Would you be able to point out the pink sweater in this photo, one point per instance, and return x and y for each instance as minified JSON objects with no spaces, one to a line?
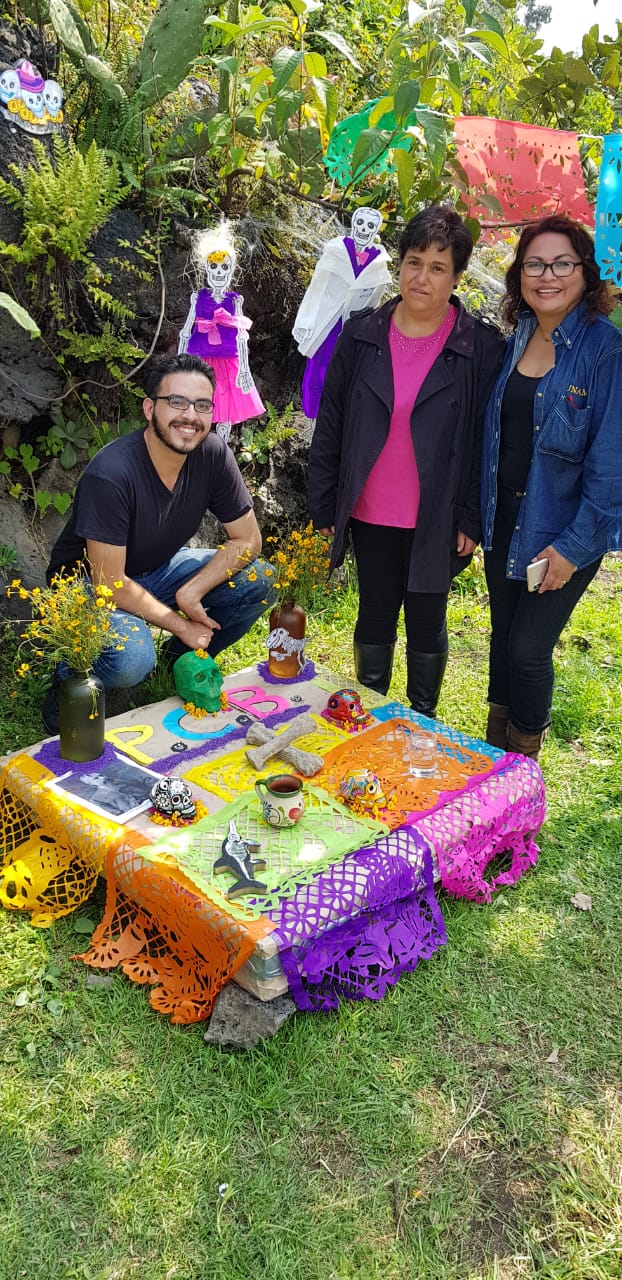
{"x":390,"y":495}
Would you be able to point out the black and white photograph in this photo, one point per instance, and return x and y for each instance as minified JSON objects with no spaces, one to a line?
{"x":119,"y":790}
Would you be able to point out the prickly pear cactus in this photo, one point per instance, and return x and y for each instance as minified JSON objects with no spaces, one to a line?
{"x":171,"y":44}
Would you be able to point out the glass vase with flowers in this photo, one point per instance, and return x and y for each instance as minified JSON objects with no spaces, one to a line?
{"x":301,"y":565}
{"x":70,"y":626}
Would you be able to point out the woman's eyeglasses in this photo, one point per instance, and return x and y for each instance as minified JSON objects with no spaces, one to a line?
{"x":182,"y":402}
{"x":560,"y":268}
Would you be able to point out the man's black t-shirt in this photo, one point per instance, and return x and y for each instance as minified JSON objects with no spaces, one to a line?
{"x":121,"y":500}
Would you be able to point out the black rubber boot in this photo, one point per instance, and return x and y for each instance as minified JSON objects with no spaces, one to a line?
{"x":373,"y":664}
{"x":424,"y":679}
{"x":497,"y":726}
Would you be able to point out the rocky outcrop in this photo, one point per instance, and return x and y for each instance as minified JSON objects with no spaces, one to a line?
{"x":30,"y":379}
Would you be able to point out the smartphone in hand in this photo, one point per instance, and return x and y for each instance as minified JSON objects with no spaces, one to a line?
{"x":536,"y":573}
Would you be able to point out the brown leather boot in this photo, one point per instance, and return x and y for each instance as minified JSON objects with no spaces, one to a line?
{"x":497,"y":727}
{"x":526,"y":744}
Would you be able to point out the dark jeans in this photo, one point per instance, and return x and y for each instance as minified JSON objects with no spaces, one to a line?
{"x":382,"y":557}
{"x":525,"y":628}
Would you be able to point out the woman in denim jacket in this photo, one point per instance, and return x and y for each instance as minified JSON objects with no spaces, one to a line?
{"x":551,"y":468}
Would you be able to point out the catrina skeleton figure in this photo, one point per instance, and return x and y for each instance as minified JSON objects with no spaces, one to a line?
{"x":217,"y":330}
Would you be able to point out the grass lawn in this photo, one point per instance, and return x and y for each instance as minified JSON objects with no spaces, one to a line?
{"x":466,"y":1127}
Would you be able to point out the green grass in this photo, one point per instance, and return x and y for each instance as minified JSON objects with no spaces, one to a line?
{"x":466,"y":1127}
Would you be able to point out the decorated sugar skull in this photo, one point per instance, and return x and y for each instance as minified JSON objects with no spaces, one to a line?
{"x":29,"y":101}
{"x":52,"y":97}
{"x":31,"y":87}
{"x":9,"y":85}
{"x":365,"y":225}
{"x":362,"y":787}
{"x":346,"y":708}
{"x":198,"y":679}
{"x":33,"y":101}
{"x":173,"y":795}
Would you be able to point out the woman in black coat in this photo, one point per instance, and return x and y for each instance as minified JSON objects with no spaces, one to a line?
{"x":395,"y":457}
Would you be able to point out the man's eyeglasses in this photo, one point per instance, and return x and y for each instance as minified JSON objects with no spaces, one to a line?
{"x":183,"y":403}
{"x":560,"y":268}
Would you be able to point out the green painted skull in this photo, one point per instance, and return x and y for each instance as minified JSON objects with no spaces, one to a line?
{"x":198,"y":680}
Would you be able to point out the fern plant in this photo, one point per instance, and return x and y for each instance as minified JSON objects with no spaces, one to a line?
{"x":256,"y":444}
{"x":63,"y":201}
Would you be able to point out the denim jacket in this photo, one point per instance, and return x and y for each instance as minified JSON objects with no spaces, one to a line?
{"x":573,"y":499}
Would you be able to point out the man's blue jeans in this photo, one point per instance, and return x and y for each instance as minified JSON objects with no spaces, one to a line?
{"x":235,"y":604}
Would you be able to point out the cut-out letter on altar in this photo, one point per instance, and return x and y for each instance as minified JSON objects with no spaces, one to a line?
{"x":172,"y":722}
{"x":251,"y":697}
{"x":139,"y":732}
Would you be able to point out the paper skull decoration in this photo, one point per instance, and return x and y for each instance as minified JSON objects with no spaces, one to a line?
{"x":219,"y":268}
{"x":29,"y":101}
{"x":173,"y":795}
{"x":362,"y":787}
{"x":366,"y":223}
{"x":198,"y":680}
{"x":346,"y":709}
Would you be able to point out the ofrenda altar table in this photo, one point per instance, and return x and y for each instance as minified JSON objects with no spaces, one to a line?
{"x":351,"y":902}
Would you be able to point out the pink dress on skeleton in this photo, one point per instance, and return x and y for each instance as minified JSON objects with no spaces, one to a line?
{"x":214,"y":339}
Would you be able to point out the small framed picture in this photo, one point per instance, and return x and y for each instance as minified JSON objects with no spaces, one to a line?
{"x":119,"y":790}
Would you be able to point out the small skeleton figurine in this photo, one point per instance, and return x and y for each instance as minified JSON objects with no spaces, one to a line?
{"x":237,"y":858}
{"x":351,"y":274}
{"x":217,"y":330}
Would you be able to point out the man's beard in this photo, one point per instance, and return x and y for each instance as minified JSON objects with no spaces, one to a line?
{"x":160,"y":432}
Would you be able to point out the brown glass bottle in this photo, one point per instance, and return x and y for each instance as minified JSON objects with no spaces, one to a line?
{"x":286,"y":657}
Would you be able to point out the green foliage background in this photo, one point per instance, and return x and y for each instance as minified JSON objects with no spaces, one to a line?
{"x":192,"y":109}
